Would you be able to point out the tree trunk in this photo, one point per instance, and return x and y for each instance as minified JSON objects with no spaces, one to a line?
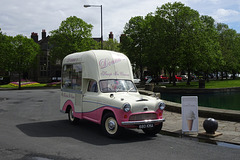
{"x":233,"y":74}
{"x":170,"y":77}
{"x":19,"y":80}
{"x":189,"y":78}
{"x":174,"y":79}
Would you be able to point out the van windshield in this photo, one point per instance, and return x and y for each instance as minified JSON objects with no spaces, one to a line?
{"x":117,"y":86}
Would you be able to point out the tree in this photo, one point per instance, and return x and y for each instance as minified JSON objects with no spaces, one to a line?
{"x":133,"y":42}
{"x":190,"y":40}
{"x":73,"y":35}
{"x":179,"y":27}
{"x":236,"y":54}
{"x":154,"y":48}
{"x":4,"y":45}
{"x":227,"y":40}
{"x":210,"y":54}
{"x":176,"y":38}
{"x":21,"y":54}
{"x":111,"y":44}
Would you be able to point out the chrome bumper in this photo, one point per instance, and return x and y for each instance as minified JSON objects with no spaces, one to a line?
{"x":126,"y":123}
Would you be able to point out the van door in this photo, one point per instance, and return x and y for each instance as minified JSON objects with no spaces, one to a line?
{"x":77,"y":86}
{"x":90,"y":102}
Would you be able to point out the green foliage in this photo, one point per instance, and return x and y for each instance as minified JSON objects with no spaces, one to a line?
{"x":23,"y":51}
{"x":17,"y":53}
{"x":209,"y":47}
{"x":133,"y":44}
{"x":210,"y":85}
{"x":4,"y":51}
{"x":73,"y":35}
{"x":176,"y":38}
{"x":229,"y":42}
{"x":111,"y":44}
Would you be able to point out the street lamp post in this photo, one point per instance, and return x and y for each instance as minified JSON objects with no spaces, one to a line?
{"x":86,"y":6}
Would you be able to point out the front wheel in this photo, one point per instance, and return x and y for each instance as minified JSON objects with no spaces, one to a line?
{"x":110,"y":126}
{"x":71,"y":118}
{"x":153,"y":131}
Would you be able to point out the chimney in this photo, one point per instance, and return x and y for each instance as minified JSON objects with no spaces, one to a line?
{"x":122,"y":37}
{"x":44,"y":35}
{"x":111,"y":35}
{"x":34,"y":36}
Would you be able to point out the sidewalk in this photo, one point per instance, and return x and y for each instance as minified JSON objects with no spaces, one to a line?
{"x":228,"y":125}
{"x":230,"y":130}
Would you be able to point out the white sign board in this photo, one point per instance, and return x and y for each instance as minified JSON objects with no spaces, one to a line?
{"x":189,"y":114}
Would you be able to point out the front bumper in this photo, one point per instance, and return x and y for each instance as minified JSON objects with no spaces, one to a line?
{"x":131,"y":123}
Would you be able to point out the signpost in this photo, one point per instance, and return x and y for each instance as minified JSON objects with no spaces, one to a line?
{"x":189,"y":113}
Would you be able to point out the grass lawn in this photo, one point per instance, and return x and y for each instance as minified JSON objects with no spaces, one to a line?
{"x":182,"y":85}
{"x":209,"y":85}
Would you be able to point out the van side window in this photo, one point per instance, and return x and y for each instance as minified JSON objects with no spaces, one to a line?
{"x":92,"y":86}
{"x":72,"y":77}
{"x":77,"y":76}
{"x":67,"y":77}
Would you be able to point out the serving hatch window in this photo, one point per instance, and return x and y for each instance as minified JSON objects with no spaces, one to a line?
{"x":72,"y":76}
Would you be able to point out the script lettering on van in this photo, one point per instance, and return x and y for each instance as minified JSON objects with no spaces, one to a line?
{"x":109,"y":74}
{"x":104,"y":63}
{"x":67,"y":95}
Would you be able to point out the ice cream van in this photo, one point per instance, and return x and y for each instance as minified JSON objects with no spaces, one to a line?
{"x":97,"y":85}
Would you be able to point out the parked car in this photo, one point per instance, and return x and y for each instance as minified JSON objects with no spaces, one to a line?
{"x":178,"y":78}
{"x":184,"y":77}
{"x":148,"y":79}
{"x":136,"y":80}
{"x":163,"y":78}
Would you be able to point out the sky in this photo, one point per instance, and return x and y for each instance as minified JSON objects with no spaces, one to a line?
{"x":27,"y":16}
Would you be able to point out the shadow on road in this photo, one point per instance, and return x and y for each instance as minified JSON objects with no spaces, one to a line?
{"x":84,"y":131}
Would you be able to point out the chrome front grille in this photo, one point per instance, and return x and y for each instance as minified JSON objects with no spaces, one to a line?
{"x":144,"y":116}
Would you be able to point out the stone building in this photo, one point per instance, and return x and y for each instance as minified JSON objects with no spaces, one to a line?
{"x":44,"y":71}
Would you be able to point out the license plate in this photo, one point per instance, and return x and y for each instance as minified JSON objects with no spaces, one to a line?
{"x":142,"y":126}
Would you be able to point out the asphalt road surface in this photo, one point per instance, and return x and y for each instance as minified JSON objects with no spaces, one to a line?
{"x":32,"y":128}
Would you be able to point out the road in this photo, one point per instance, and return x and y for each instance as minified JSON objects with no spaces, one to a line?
{"x":32,"y":128}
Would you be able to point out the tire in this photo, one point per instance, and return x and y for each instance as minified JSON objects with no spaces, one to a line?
{"x":110,"y":126}
{"x":71,"y":118}
{"x":153,"y":131}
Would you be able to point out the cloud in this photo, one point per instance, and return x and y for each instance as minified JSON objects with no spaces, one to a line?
{"x":226,"y":15}
{"x":26,"y":16}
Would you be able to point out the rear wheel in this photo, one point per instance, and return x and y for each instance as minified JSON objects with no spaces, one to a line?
{"x":71,"y":118}
{"x":110,"y":126}
{"x":153,"y":131}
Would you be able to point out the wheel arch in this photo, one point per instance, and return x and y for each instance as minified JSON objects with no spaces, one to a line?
{"x":67,"y":105}
{"x":105,"y":111}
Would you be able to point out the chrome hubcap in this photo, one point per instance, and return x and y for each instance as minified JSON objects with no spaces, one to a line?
{"x":111,"y":125}
{"x":71,"y":115}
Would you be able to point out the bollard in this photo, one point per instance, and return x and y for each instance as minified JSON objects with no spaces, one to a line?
{"x":210,"y":125}
{"x":201,"y":83}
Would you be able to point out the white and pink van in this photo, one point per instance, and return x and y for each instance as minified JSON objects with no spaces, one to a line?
{"x":98,"y":86}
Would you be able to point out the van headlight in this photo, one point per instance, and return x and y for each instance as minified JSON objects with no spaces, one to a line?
{"x":161,"y":105}
{"x":126,"y":107}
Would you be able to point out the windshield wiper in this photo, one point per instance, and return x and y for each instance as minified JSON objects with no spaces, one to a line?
{"x":130,"y":89}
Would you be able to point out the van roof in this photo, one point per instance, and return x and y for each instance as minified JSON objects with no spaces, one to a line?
{"x":102,"y":64}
